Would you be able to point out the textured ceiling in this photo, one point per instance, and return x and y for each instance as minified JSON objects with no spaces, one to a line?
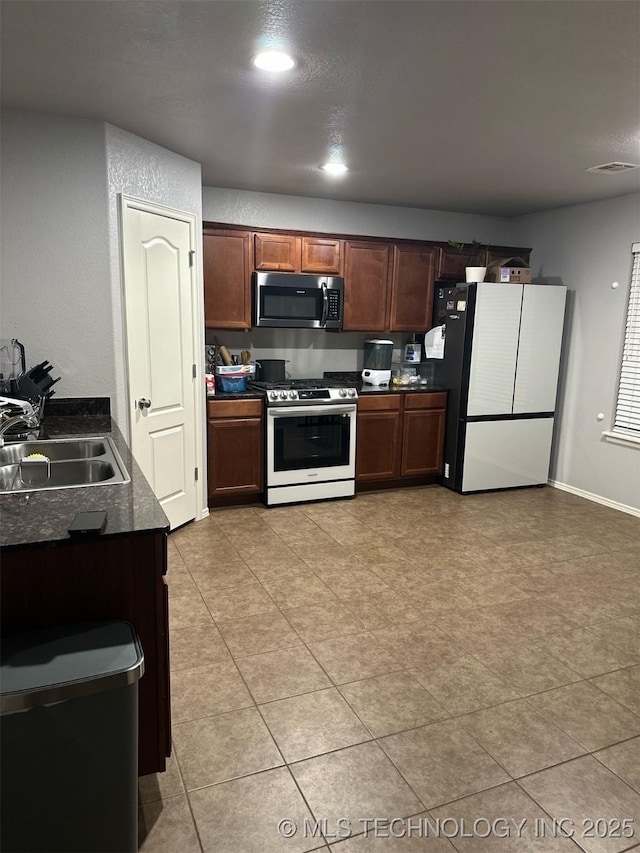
{"x":491,"y":106}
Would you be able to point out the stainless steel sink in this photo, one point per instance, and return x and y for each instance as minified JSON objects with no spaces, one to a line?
{"x":74,"y":462}
{"x":85,"y":448}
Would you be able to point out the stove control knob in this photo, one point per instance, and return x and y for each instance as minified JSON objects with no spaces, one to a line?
{"x":352,"y":392}
{"x":342,"y":392}
{"x":283,"y":395}
{"x":273,"y":395}
{"x":293,"y":395}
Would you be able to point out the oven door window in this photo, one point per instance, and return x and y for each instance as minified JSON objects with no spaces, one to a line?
{"x":289,"y":303}
{"x":311,"y":441}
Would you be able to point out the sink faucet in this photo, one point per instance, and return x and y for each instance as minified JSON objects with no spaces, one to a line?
{"x":30,"y":415}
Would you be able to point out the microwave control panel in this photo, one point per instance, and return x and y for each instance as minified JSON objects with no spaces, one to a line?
{"x":333,"y":309}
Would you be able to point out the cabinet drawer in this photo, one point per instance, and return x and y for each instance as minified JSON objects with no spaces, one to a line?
{"x":379,"y":402}
{"x":436,"y":400}
{"x":234,"y":408}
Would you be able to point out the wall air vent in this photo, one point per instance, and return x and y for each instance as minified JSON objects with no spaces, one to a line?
{"x":613,"y":167}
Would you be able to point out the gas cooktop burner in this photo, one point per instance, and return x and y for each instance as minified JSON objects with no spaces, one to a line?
{"x":305,"y":391}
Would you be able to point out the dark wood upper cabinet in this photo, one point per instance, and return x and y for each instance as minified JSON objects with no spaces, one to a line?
{"x":413,"y":273}
{"x":388,"y":284}
{"x":227,"y":265}
{"x":453,"y":262}
{"x":497,"y":253}
{"x":294,"y":253}
{"x":321,"y":255}
{"x":277,"y":252}
{"x":366,"y":281}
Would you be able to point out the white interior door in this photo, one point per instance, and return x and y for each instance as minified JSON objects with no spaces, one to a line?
{"x":539,"y":348}
{"x":494,"y":349}
{"x":160,"y":305}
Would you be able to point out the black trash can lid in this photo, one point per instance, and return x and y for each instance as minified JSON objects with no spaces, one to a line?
{"x":57,"y":664}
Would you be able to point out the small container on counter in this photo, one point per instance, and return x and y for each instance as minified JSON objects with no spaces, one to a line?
{"x":230,"y":384}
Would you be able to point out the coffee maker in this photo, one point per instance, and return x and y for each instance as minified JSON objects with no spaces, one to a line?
{"x":377,"y":362}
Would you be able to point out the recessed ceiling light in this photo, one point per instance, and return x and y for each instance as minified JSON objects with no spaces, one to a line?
{"x":273,"y":60}
{"x":334,"y":168}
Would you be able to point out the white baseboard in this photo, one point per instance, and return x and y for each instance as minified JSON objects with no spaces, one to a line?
{"x":205,"y":513}
{"x":631,"y":510}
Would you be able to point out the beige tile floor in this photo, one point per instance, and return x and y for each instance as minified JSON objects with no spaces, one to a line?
{"x":410,"y":654}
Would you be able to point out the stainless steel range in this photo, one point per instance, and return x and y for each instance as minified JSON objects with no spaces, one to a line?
{"x":311,"y":440}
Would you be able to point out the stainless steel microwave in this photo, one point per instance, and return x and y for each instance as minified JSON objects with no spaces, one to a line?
{"x":290,"y":301}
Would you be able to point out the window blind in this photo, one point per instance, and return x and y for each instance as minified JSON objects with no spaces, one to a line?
{"x":627,"y":419}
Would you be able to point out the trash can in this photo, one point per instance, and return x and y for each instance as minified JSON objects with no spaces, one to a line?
{"x":69,"y":738}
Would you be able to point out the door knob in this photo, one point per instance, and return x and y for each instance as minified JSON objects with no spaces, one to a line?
{"x":144,"y":403}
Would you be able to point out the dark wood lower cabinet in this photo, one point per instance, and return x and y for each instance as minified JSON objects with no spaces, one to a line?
{"x":378,"y":438}
{"x":422,"y":442}
{"x":121,"y":578}
{"x":400,"y":438}
{"x":235,"y":449}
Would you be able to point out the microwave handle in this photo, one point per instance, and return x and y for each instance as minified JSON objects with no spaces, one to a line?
{"x":325,"y":305}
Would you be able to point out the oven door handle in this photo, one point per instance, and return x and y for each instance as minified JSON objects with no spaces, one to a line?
{"x":300,"y":411}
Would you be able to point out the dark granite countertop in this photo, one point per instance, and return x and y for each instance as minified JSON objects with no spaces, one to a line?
{"x":348,"y":380}
{"x":363,"y":390}
{"x":29,"y":518}
{"x":236,"y":395}
{"x":353,"y":379}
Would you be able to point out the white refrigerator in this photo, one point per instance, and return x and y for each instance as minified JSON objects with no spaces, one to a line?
{"x":501,"y":359}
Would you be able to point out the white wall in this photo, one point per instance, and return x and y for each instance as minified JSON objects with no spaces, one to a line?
{"x":310,"y":352}
{"x":56,"y":293}
{"x":139,"y":168}
{"x":587,"y":247}
{"x":61,"y":273}
{"x":269,"y":210}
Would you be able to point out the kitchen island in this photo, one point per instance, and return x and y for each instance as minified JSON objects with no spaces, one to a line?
{"x":50,"y":579}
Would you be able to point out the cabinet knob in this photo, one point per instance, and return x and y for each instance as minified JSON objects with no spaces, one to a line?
{"x":144,"y":403}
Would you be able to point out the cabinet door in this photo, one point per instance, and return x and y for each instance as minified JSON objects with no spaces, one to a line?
{"x":235,"y":456}
{"x":227,"y":279}
{"x":366,"y":278}
{"x":422,"y":442}
{"x":453,"y":263}
{"x":377,"y":445}
{"x":321,"y":255}
{"x":279,"y":252}
{"x":414,"y":269}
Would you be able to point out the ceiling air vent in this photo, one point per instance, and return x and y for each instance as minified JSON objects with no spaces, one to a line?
{"x":613,"y":167}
